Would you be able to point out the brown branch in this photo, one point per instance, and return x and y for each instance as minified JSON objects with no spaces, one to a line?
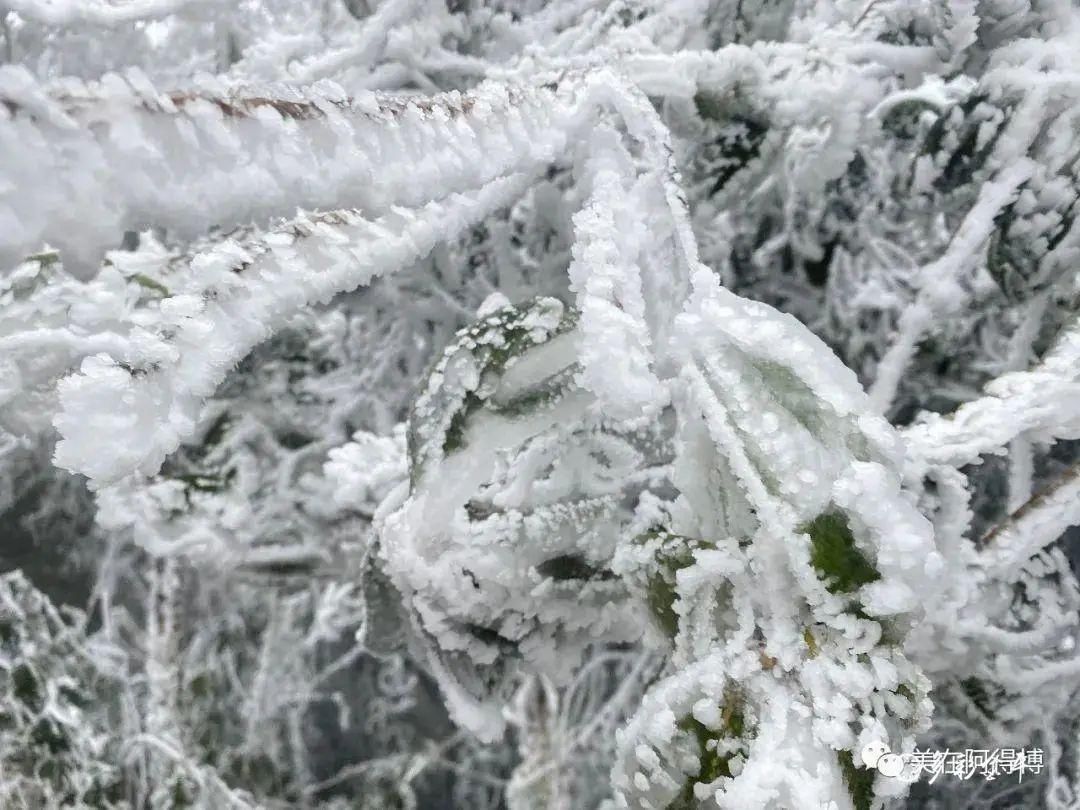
{"x":1031,"y":505}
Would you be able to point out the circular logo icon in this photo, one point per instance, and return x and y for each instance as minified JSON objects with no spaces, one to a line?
{"x":872,"y":754}
{"x":877,"y":756}
{"x":891,"y":765}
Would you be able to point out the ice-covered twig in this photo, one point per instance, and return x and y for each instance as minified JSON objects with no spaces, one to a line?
{"x":1021,"y":454}
{"x":103,"y":13}
{"x":1040,"y":403}
{"x":365,"y":48}
{"x":939,"y":292}
{"x":217,"y":157}
{"x":1035,"y":525}
{"x":227,"y":300}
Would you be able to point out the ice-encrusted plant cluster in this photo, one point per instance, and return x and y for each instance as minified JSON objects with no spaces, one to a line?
{"x":540,"y":405}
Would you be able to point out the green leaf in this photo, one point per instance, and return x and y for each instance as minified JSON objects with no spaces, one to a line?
{"x":570,"y":567}
{"x":859,"y":781}
{"x":713,"y":765}
{"x":150,"y":284}
{"x":835,"y":556}
{"x":444,"y":411}
{"x":676,"y":553}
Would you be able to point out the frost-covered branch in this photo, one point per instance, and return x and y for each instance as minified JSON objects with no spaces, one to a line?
{"x":212,"y":157}
{"x":938,"y":291}
{"x":366,"y":48}
{"x":1040,"y":403}
{"x":105,"y":13}
{"x":1033,"y":527}
{"x":223,"y":303}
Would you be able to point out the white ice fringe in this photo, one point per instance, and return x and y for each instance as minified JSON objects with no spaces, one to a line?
{"x":1040,"y":404}
{"x":213,"y":156}
{"x":229,"y":299}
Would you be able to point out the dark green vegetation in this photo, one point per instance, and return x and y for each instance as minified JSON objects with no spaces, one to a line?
{"x":713,"y":765}
{"x":834,"y":554}
{"x":675,"y":553}
{"x":494,"y":342}
{"x":859,"y":781}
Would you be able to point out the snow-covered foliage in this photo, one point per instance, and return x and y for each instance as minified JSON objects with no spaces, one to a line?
{"x":541,"y":405}
{"x":52,"y":752}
